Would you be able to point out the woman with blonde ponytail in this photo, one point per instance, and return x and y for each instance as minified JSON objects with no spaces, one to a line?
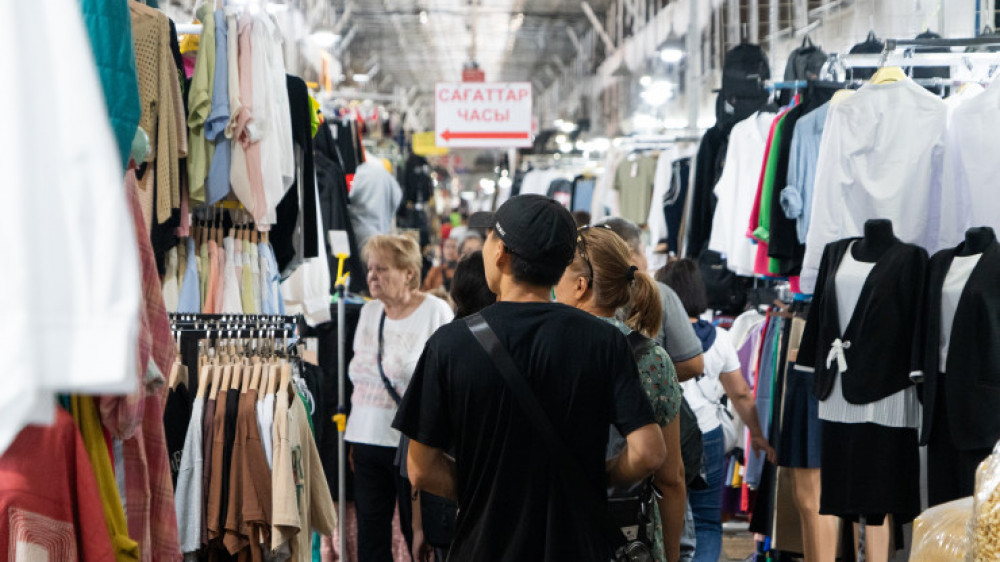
{"x":600,"y":280}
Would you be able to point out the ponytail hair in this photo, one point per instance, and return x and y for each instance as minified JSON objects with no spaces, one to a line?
{"x":616,"y":282}
{"x":645,"y":313}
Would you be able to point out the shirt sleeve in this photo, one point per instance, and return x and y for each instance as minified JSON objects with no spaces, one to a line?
{"x":677,"y":336}
{"x":630,"y":406}
{"x":727,"y":351}
{"x":423,"y":414}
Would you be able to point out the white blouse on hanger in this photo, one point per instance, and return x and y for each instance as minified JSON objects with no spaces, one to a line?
{"x":736,"y":191}
{"x":881,"y":156}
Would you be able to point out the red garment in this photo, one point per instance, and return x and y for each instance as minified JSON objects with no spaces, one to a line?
{"x":761,"y":261}
{"x":163,"y":517}
{"x":49,"y":502}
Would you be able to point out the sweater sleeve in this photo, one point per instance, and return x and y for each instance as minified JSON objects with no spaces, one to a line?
{"x":920,"y":302}
{"x":808,"y":347}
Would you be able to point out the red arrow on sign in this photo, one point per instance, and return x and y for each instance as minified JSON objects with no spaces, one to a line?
{"x":448,"y":135}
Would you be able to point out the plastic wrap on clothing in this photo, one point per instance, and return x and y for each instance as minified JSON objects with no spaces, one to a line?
{"x":941,"y":532}
{"x":985,"y":525}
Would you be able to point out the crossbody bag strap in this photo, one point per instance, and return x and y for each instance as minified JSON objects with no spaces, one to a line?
{"x":533,"y":411}
{"x":385,"y":380}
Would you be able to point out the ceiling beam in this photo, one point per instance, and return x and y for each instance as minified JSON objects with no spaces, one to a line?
{"x":589,"y":12}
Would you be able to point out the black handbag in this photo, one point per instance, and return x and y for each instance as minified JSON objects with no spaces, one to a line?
{"x":626,"y":549}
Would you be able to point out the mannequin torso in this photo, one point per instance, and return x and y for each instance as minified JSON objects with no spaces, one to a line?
{"x":877,"y":240}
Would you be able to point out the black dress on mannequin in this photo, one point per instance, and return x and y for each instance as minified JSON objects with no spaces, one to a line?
{"x":868,"y":405}
{"x":961,"y":391}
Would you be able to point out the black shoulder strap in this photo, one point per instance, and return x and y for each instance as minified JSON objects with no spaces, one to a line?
{"x":385,"y":380}
{"x":533,"y":411}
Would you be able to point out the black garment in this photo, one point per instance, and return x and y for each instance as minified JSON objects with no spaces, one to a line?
{"x":870,"y":46}
{"x":801,"y":432}
{"x":417,"y":184}
{"x":327,"y":437}
{"x":885,"y":329}
{"x":299,"y":203}
{"x":514,"y":505}
{"x":971,"y":389}
{"x":176,"y":417}
{"x":707,"y":171}
{"x":313,"y":375}
{"x":561,"y":190}
{"x":784,"y":242}
{"x":674,"y":202}
{"x":869,"y":470}
{"x":229,"y":433}
{"x":951,"y":472}
{"x":378,"y":489}
{"x":333,"y":201}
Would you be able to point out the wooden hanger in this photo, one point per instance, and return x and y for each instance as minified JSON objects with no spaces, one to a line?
{"x":234,"y":381}
{"x":272,"y":378}
{"x":227,"y":376}
{"x":204,"y":381}
{"x":247,"y":374}
{"x":255,"y":378}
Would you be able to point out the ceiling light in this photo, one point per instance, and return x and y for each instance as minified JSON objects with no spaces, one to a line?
{"x":324,"y":38}
{"x":657,"y":93}
{"x":644,"y":122}
{"x":561,"y":139}
{"x":505,"y":183}
{"x":645,"y":81}
{"x":566,"y":147}
{"x":672,"y":55}
{"x":361,"y":78}
{"x":423,"y":17}
{"x":567,"y":127}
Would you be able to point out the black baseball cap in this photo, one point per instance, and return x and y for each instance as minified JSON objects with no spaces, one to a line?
{"x":535,"y":227}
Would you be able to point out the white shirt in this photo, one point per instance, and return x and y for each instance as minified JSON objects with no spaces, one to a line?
{"x":71,"y":276}
{"x":271,"y":112}
{"x":900,"y":409}
{"x":736,"y":191}
{"x":972,"y":169}
{"x":372,"y":408}
{"x":951,"y":293}
{"x":657,"y":220}
{"x":881,"y":157}
{"x":705,"y":392}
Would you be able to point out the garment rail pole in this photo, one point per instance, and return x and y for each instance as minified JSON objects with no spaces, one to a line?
{"x":341,"y":419}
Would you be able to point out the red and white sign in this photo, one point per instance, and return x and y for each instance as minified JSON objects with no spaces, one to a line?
{"x":473,"y":75}
{"x":483,"y":115}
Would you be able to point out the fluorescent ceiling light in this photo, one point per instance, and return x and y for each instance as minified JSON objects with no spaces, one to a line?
{"x":567,"y":126}
{"x":672,"y":55}
{"x":324,"y":38}
{"x":361,"y":78}
{"x":657,"y":93}
{"x":645,"y":81}
{"x":561,"y":139}
{"x":423,"y":17}
{"x":566,"y":147}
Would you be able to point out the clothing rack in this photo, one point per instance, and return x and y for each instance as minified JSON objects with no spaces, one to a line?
{"x":854,"y":84}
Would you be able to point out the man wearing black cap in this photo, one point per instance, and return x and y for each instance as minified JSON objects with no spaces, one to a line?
{"x":514,"y":503}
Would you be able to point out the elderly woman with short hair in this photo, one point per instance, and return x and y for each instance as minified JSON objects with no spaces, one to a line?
{"x":390,"y":337}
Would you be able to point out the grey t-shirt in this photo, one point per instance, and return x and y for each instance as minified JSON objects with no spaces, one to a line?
{"x":676,"y":335}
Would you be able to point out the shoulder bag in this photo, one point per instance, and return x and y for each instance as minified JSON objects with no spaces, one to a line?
{"x":625,"y":550}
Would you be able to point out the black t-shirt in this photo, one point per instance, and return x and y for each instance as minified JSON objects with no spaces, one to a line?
{"x":514,"y":505}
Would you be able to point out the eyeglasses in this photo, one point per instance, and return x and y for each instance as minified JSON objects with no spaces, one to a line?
{"x":581,"y":243}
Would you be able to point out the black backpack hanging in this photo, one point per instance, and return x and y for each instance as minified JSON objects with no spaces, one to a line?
{"x":804,"y":63}
{"x":743,"y":92}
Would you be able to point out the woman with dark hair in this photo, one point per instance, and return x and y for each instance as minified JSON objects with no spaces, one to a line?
{"x":469,"y":290}
{"x":721,"y":376}
{"x":601,"y":280}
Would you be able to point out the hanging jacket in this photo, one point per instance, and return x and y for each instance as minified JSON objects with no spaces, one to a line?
{"x":109,"y":26}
